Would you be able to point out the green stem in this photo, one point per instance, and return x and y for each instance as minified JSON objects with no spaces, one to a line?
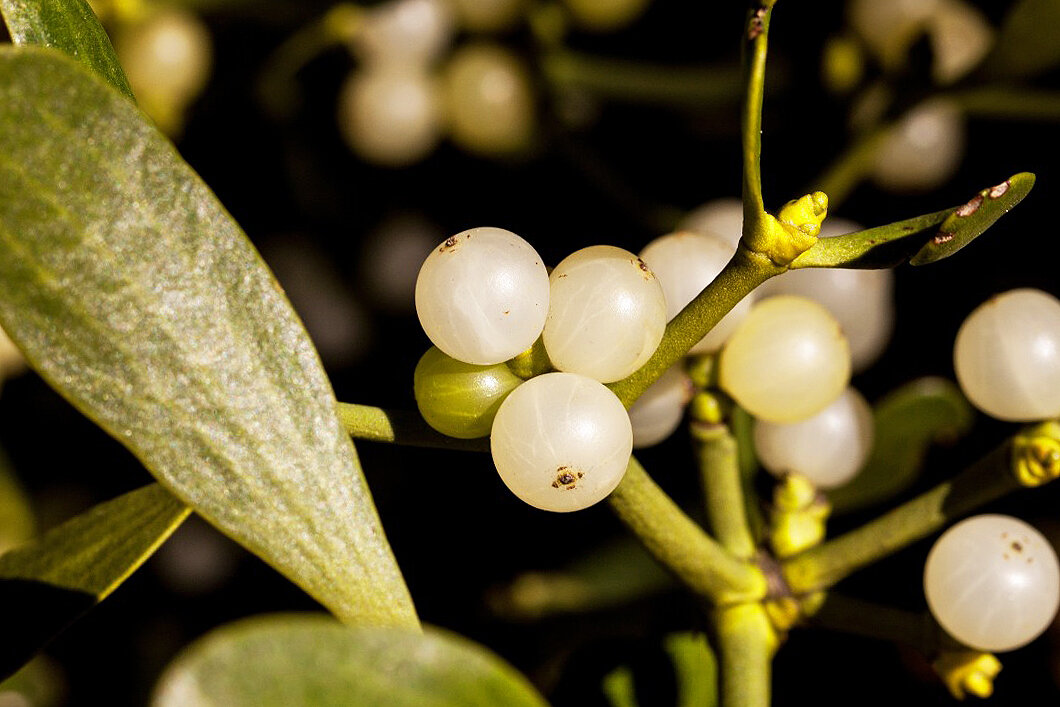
{"x":719,"y":472}
{"x":639,"y":82}
{"x":746,"y":271}
{"x":821,"y":567}
{"x":746,"y":642}
{"x":678,"y":543}
{"x":864,"y":618}
{"x":754,"y":59}
{"x":400,"y":427}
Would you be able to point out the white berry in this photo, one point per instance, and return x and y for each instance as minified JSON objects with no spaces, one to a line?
{"x":561,"y":441}
{"x":720,"y":218}
{"x":787,"y":361}
{"x":390,"y":115}
{"x":828,"y":449}
{"x":658,"y":412}
{"x":1007,"y":356}
{"x":923,"y":149}
{"x":607,"y":313}
{"x":862,"y":301}
{"x":482,"y":296}
{"x":993,"y":582}
{"x":405,"y":31}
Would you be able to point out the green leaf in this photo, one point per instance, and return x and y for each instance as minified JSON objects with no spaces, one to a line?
{"x":1026,"y":44}
{"x":695,"y":668}
{"x":69,"y":26}
{"x":17,"y":521}
{"x":909,"y":420}
{"x":972,"y":218}
{"x":46,"y":585}
{"x":133,"y":292}
{"x":922,"y":239}
{"x":311,"y":661}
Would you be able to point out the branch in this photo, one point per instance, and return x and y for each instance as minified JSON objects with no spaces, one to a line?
{"x":400,"y":427}
{"x":1031,"y":458}
{"x":677,"y":542}
{"x":746,"y":642}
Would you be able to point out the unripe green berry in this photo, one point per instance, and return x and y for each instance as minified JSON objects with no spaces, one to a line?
{"x":460,"y":399}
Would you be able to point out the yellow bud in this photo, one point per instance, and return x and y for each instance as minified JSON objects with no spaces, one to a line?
{"x":968,"y":672}
{"x":786,"y":236}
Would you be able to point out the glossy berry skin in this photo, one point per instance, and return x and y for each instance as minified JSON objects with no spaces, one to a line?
{"x":482,"y":296}
{"x":993,"y":582}
{"x":1007,"y":356}
{"x":787,"y":361}
{"x":413,"y":32}
{"x":862,"y":301}
{"x":561,"y":441}
{"x":460,"y":399}
{"x":923,"y":149}
{"x":607,"y":313}
{"x":828,"y":448}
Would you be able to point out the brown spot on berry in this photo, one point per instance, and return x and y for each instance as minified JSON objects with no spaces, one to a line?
{"x":999,"y":190}
{"x":645,"y":270}
{"x":450,"y":244}
{"x":1016,"y":546}
{"x":566,"y":478}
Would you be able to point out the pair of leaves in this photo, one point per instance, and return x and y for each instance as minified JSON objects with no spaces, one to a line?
{"x":135,"y":295}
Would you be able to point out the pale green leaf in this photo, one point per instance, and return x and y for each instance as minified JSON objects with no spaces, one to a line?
{"x":1026,"y":44}
{"x":69,"y":26}
{"x":133,"y":292}
{"x":47,"y":584}
{"x":920,"y":240}
{"x":312,"y":661}
{"x":908,"y":421}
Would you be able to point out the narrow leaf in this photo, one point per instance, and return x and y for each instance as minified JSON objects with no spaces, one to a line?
{"x":311,"y":660}
{"x":908,"y":421}
{"x":46,"y":585}
{"x":1026,"y":44}
{"x":972,"y":218}
{"x":922,"y":239}
{"x":69,"y":26}
{"x":133,"y":292}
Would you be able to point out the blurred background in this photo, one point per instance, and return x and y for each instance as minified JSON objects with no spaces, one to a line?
{"x":571,"y":123}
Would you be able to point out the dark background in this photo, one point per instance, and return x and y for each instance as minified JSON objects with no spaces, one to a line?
{"x":297,"y":189}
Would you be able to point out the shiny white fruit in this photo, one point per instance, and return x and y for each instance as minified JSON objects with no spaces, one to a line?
{"x":993,"y":582}
{"x":390,"y":115}
{"x":720,"y":218}
{"x":561,"y":442}
{"x":489,"y":100}
{"x":685,"y":263}
{"x":829,"y":448}
{"x":787,"y":361}
{"x":607,"y":313}
{"x":862,"y":301}
{"x":1007,"y":356}
{"x":482,"y":296}
{"x":405,"y":31}
{"x":658,"y":412}
{"x":923,"y":149}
